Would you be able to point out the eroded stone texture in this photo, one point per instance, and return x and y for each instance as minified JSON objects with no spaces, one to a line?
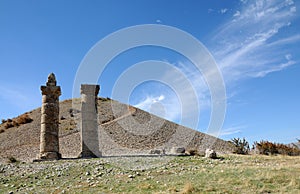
{"x":49,"y":142}
{"x":89,"y":122}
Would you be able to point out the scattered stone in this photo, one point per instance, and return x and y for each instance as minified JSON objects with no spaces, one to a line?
{"x":177,"y":150}
{"x":131,"y":176}
{"x":157,"y":151}
{"x":209,"y":153}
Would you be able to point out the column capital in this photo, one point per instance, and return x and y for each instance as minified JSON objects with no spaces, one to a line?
{"x":89,"y":89}
{"x":51,"y":90}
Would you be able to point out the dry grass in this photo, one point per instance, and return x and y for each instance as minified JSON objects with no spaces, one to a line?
{"x":15,"y":122}
{"x":233,"y":174}
{"x":187,"y":189}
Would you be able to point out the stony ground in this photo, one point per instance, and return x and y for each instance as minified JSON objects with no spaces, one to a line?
{"x":189,"y":174}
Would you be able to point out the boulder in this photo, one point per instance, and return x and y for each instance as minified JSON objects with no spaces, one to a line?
{"x":157,"y":151}
{"x":177,"y":150}
{"x":209,"y":153}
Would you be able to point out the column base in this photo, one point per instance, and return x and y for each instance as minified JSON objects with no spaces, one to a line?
{"x":87,"y":154}
{"x":49,"y":156}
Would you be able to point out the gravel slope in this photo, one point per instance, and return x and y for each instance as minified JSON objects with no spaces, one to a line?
{"x":123,"y":130}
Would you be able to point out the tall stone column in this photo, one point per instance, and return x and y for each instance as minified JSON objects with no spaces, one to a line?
{"x":49,"y":142}
{"x":89,"y":121}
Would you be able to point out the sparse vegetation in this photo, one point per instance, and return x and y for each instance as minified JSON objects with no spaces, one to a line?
{"x":233,"y":174}
{"x":9,"y":124}
{"x":20,"y":120}
{"x":241,"y":146}
{"x":104,"y":99}
{"x":297,"y":145}
{"x":187,"y":189}
{"x":270,"y":148}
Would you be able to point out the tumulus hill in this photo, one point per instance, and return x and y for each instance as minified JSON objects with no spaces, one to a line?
{"x":123,"y":130}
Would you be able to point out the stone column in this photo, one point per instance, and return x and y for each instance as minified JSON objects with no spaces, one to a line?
{"x":89,"y":121}
{"x":49,"y":142}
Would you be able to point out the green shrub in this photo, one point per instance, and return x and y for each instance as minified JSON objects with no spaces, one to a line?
{"x":241,"y":146}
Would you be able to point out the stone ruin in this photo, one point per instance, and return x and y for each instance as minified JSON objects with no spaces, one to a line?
{"x":49,"y":140}
{"x":89,"y":124}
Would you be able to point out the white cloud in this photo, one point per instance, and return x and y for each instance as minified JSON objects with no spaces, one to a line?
{"x":210,"y":10}
{"x":288,"y":57}
{"x":293,"y":9}
{"x":284,"y":41}
{"x":280,"y":67}
{"x":230,"y":131}
{"x":236,"y":14}
{"x":146,"y":104}
{"x":162,"y":107}
{"x":289,"y":2}
{"x":223,"y":10}
{"x":190,"y":96}
{"x":250,"y":44}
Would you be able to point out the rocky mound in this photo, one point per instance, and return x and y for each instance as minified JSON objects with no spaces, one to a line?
{"x":123,"y":130}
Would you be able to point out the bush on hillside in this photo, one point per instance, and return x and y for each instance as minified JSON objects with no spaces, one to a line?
{"x":22,"y":119}
{"x":297,"y":145}
{"x":269,"y":148}
{"x":241,"y":146}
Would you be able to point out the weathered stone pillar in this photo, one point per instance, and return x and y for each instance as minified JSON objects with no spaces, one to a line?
{"x":89,"y":121}
{"x":49,"y":145}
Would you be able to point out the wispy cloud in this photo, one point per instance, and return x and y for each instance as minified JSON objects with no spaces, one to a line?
{"x":223,"y":10}
{"x":229,"y":131}
{"x":236,"y":14}
{"x":161,"y":107}
{"x":189,"y":95}
{"x":250,"y":44}
{"x":232,"y":130}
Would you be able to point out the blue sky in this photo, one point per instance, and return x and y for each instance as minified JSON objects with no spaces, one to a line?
{"x":255,"y":44}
